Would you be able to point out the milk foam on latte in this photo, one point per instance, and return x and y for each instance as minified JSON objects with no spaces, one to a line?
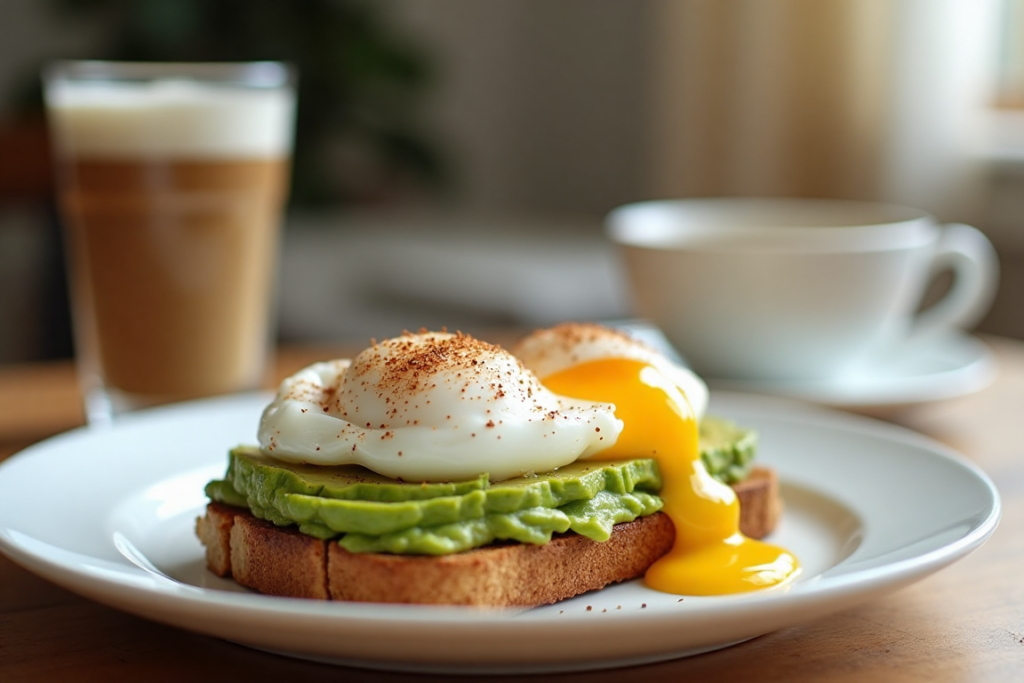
{"x":170,"y":118}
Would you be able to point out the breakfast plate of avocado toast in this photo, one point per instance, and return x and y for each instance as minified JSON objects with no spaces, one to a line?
{"x":869,"y":508}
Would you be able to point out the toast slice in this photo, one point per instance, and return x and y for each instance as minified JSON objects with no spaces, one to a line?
{"x":760,"y":502}
{"x":282,"y":561}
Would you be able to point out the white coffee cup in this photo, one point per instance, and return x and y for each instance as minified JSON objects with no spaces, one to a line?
{"x":797,"y":289}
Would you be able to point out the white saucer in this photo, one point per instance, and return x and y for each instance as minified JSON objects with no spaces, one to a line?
{"x":931,"y":369}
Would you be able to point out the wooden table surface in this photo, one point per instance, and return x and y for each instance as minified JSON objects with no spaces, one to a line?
{"x":965,"y":623}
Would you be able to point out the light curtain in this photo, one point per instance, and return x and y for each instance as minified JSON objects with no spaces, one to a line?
{"x":863,"y":99}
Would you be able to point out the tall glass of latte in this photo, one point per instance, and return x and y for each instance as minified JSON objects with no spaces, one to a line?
{"x":172,"y":180}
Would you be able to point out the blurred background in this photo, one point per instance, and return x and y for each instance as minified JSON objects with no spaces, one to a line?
{"x":454,"y":159}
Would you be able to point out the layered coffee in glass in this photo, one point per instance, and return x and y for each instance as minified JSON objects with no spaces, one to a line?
{"x":172,"y":180}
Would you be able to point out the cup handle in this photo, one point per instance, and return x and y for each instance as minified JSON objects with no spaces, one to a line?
{"x":970,"y":255}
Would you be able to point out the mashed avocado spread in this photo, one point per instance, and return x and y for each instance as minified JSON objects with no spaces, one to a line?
{"x":370,"y":513}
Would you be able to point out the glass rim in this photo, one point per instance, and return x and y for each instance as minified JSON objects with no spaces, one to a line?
{"x":255,"y":74}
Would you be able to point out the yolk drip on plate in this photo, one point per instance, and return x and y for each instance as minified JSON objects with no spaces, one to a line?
{"x":710,"y":555}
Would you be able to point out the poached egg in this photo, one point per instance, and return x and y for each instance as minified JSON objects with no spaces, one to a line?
{"x":432,"y":406}
{"x":660,"y":405}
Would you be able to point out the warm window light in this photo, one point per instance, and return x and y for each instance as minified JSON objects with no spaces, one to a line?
{"x":1011,"y":56}
{"x":1005,"y":142}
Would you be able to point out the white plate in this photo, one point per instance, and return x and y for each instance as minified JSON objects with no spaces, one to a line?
{"x":109,"y":514}
{"x":931,"y":369}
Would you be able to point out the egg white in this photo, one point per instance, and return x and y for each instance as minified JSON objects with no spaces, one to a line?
{"x":432,"y":407}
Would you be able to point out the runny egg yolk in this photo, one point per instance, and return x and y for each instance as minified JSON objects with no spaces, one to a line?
{"x":710,"y":555}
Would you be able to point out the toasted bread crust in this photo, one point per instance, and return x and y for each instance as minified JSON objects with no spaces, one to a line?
{"x":509,"y":575}
{"x":270,"y":561}
{"x":760,"y":502}
{"x":282,"y":561}
{"x":214,"y":531}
